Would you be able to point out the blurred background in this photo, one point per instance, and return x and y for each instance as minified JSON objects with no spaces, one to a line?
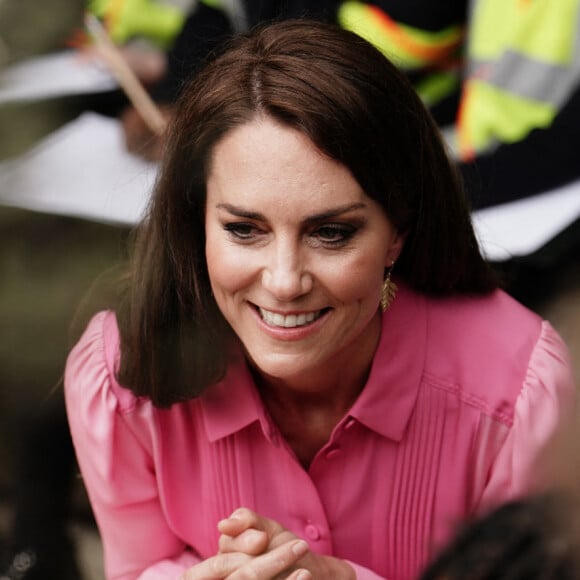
{"x":49,"y":258}
{"x":47,"y":263}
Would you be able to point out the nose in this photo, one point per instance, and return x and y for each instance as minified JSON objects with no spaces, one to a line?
{"x":285,"y":275}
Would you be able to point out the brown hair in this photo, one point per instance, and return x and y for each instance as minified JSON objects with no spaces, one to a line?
{"x":357,"y":108}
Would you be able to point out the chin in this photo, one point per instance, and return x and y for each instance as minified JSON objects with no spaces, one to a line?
{"x":282,"y":367}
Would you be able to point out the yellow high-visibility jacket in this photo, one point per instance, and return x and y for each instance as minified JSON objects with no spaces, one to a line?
{"x":156,"y":20}
{"x":523,"y":63}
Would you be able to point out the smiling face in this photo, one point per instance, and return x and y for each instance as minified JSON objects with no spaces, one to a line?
{"x":296,"y":253}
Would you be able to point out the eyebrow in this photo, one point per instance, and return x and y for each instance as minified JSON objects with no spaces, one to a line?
{"x":334,"y":212}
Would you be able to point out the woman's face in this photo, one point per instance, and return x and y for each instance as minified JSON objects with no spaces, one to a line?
{"x":295,"y":250}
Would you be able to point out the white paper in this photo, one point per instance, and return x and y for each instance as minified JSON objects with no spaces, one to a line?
{"x":54,"y":75}
{"x":522,"y":227}
{"x":85,"y":170}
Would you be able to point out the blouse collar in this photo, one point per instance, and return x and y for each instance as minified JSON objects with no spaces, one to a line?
{"x":388,"y":398}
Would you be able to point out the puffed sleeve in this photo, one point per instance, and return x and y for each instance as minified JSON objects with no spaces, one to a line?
{"x":116,"y":464}
{"x":546,"y":407}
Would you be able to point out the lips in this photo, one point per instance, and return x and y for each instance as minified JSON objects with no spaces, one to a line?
{"x":294,"y":320}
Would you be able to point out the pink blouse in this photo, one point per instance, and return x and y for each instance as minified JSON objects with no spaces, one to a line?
{"x":461,"y":396}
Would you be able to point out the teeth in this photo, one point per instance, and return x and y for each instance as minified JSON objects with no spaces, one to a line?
{"x":290,"y":321}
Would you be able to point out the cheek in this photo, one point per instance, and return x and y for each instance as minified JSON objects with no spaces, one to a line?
{"x":356,"y":281}
{"x":227,"y":269}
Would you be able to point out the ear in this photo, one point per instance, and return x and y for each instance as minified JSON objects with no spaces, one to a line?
{"x":395,"y":248}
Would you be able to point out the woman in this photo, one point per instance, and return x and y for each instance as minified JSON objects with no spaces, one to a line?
{"x":260,"y":383}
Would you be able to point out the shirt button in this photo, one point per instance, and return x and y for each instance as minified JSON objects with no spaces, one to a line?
{"x":349,"y":424}
{"x":333,"y":453}
{"x":312,"y":532}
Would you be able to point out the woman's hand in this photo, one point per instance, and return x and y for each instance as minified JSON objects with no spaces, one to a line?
{"x":280,"y":562}
{"x":246,"y":532}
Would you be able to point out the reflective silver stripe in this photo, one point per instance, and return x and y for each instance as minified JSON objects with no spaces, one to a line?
{"x":185,"y":6}
{"x":527,"y":78}
{"x":236,"y":12}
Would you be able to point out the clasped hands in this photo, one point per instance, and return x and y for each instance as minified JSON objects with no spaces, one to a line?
{"x":257,"y":548}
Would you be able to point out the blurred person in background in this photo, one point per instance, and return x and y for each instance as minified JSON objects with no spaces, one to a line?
{"x":515,"y":75}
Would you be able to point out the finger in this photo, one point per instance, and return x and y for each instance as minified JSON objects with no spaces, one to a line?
{"x":240,"y":520}
{"x":250,"y":541}
{"x":272,"y":563}
{"x":244,"y":518}
{"x":217,"y":567}
{"x":300,"y":574}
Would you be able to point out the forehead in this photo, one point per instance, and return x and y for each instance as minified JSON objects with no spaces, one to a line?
{"x":265,"y":161}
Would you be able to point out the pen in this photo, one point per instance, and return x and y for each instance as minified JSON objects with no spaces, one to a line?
{"x":125,"y":76}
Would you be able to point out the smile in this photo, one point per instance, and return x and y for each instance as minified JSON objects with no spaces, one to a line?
{"x":289,"y":320}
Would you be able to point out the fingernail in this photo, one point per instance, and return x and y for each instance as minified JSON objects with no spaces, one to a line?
{"x":300,"y":548}
{"x":304,"y":575}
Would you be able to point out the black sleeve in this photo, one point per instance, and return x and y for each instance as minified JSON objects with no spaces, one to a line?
{"x":545,"y":159}
{"x":202,"y":33}
{"x":320,"y":10}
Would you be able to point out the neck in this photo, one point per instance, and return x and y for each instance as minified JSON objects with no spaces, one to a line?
{"x":305,"y":395}
{"x":306,"y":420}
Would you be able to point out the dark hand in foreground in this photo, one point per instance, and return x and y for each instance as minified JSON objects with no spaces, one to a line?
{"x":139,"y":138}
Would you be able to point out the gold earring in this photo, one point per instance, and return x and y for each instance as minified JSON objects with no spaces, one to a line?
{"x":388,"y":291}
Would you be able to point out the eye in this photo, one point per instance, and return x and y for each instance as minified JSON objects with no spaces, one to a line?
{"x":242,"y":231}
{"x":335,"y":234}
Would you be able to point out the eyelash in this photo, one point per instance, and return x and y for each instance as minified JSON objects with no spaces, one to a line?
{"x":241,"y":231}
{"x":343,"y":231}
{"x":247,"y":232}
